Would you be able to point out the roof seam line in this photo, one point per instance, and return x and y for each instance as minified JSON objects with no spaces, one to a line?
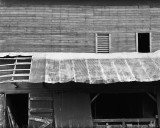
{"x":45,"y":71}
{"x":103,"y":74}
{"x":89,"y":76}
{"x":59,"y":71}
{"x":155,"y":63}
{"x":129,"y":69}
{"x":116,"y":71}
{"x":144,"y":69}
{"x":74,"y":73}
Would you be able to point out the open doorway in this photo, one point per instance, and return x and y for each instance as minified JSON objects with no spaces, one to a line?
{"x":143,"y":42}
{"x":121,"y":109}
{"x":122,"y":105}
{"x":18,"y":109}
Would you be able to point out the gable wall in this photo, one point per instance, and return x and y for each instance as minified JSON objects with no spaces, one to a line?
{"x":72,"y":28}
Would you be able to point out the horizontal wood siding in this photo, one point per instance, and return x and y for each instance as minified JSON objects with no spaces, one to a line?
{"x":123,"y":42}
{"x":72,"y":28}
{"x":40,"y":103}
{"x":155,"y":41}
{"x":155,"y":27}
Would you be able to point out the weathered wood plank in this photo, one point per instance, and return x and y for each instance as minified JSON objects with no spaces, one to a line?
{"x":62,"y":28}
{"x":2,"y":115}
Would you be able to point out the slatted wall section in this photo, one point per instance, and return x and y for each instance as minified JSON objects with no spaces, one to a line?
{"x":102,"y":42}
{"x":41,"y":109}
{"x":70,"y":28}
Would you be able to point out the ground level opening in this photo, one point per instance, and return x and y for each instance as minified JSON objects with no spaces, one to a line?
{"x":18,"y":106}
{"x":121,"y":109}
{"x":123,"y":105}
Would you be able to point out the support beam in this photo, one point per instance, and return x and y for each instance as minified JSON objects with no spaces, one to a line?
{"x":94,"y":98}
{"x":152,"y":97}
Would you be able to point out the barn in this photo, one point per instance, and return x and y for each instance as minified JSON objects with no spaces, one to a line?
{"x":79,"y":63}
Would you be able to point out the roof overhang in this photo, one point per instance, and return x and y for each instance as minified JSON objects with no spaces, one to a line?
{"x":88,"y":67}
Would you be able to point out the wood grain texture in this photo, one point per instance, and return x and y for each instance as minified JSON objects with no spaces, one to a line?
{"x":72,"y":28}
{"x":72,"y":110}
{"x":2,"y":109}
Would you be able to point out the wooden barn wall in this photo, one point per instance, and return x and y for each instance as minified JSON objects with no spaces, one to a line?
{"x":72,"y":28}
{"x":72,"y":110}
{"x":40,"y":103}
{"x":50,"y":107}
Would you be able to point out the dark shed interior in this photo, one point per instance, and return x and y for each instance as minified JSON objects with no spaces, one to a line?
{"x":18,"y":104}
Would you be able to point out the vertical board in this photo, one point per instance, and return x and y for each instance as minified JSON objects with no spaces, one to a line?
{"x":72,"y":110}
{"x":148,"y":105}
{"x":158,"y":104}
{"x":2,"y":116}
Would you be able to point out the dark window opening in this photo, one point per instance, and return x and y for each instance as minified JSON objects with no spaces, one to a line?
{"x":144,"y":42}
{"x":18,"y":105}
{"x":123,"y":105}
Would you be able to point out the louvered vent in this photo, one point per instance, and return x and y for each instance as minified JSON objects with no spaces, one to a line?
{"x":102,"y":43}
{"x":14,"y":69}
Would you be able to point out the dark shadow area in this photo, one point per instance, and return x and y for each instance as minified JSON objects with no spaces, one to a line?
{"x":110,"y":106}
{"x":144,"y":42}
{"x":123,"y":105}
{"x":103,"y":88}
{"x":80,"y":2}
{"x":18,"y":104}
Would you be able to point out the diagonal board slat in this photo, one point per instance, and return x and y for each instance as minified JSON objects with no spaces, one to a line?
{"x":81,"y":71}
{"x":138,"y":71}
{"x":151,"y":69}
{"x":95,"y":71}
{"x":123,"y":70}
{"x":109,"y":71}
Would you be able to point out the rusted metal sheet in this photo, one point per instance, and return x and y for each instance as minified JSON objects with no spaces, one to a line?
{"x":91,"y":68}
{"x":2,"y":116}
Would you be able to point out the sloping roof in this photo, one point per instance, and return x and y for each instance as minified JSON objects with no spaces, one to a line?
{"x":80,"y":67}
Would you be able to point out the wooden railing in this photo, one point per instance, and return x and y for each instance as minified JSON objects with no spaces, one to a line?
{"x":125,"y":123}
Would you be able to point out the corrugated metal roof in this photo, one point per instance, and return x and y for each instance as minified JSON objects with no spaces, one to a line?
{"x":87,"y":67}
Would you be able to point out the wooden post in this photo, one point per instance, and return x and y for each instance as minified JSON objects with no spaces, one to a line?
{"x":2,"y":116}
{"x":158,"y":104}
